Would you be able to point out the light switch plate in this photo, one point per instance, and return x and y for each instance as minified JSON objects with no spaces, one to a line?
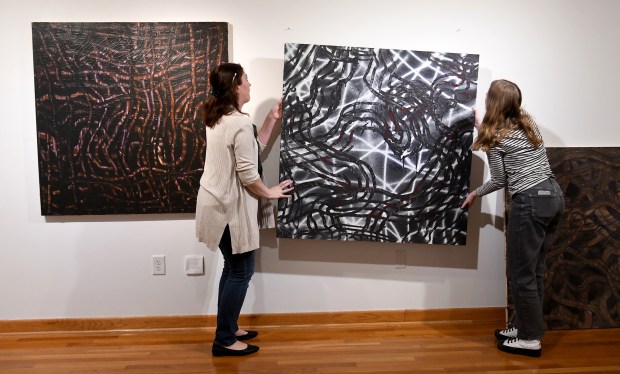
{"x":194,"y":265}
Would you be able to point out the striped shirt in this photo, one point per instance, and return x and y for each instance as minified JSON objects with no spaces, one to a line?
{"x":515,"y":163}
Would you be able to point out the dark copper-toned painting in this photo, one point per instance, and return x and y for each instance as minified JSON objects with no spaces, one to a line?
{"x":582,"y":287}
{"x":582,"y":281}
{"x":377,"y":142}
{"x":118,"y":114}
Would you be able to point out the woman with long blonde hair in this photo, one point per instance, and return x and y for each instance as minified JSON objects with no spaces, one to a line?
{"x":518,"y":161}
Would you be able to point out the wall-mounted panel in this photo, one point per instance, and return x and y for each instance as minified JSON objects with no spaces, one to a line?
{"x":582,"y":287}
{"x":118,"y":118}
{"x":377,"y":142}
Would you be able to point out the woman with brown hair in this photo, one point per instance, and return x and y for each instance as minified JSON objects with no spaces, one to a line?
{"x":518,"y":160}
{"x":233,"y":199}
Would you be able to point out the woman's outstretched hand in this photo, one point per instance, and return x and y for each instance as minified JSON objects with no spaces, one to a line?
{"x":469,"y":200}
{"x":281,"y":190}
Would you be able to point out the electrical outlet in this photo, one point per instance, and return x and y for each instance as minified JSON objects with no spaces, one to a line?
{"x":159,"y":265}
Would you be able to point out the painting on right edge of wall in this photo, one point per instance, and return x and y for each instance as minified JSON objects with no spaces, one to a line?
{"x":582,"y":281}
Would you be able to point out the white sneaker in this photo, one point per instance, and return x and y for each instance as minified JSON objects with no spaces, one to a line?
{"x":506,"y":334}
{"x":531,"y":348}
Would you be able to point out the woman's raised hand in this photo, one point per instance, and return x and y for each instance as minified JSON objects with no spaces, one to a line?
{"x":477,"y":121}
{"x":276,"y":111}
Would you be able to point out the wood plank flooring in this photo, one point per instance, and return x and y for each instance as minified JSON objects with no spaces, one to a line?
{"x":405,"y":347}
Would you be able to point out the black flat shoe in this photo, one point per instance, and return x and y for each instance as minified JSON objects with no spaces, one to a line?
{"x":250,"y":335}
{"x":219,"y":350}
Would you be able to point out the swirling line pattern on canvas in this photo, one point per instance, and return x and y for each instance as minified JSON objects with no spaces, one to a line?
{"x":118,"y":118}
{"x":377,"y":142}
{"x":582,"y":288}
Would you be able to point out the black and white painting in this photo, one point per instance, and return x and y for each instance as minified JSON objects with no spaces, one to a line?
{"x":377,"y":142}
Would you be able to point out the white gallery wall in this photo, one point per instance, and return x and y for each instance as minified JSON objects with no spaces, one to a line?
{"x":563,"y":53}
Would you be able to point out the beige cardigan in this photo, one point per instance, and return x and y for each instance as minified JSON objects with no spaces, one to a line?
{"x":231,"y":162}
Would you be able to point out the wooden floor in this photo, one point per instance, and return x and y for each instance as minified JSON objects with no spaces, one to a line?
{"x":408,"y":347}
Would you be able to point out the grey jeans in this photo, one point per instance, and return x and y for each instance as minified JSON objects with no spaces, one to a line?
{"x":534,"y":216}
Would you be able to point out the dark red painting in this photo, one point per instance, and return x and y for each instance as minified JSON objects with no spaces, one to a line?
{"x":118,"y":114}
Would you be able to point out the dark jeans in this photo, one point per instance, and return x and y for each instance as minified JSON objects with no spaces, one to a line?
{"x":238,"y":270}
{"x":534,"y":216}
